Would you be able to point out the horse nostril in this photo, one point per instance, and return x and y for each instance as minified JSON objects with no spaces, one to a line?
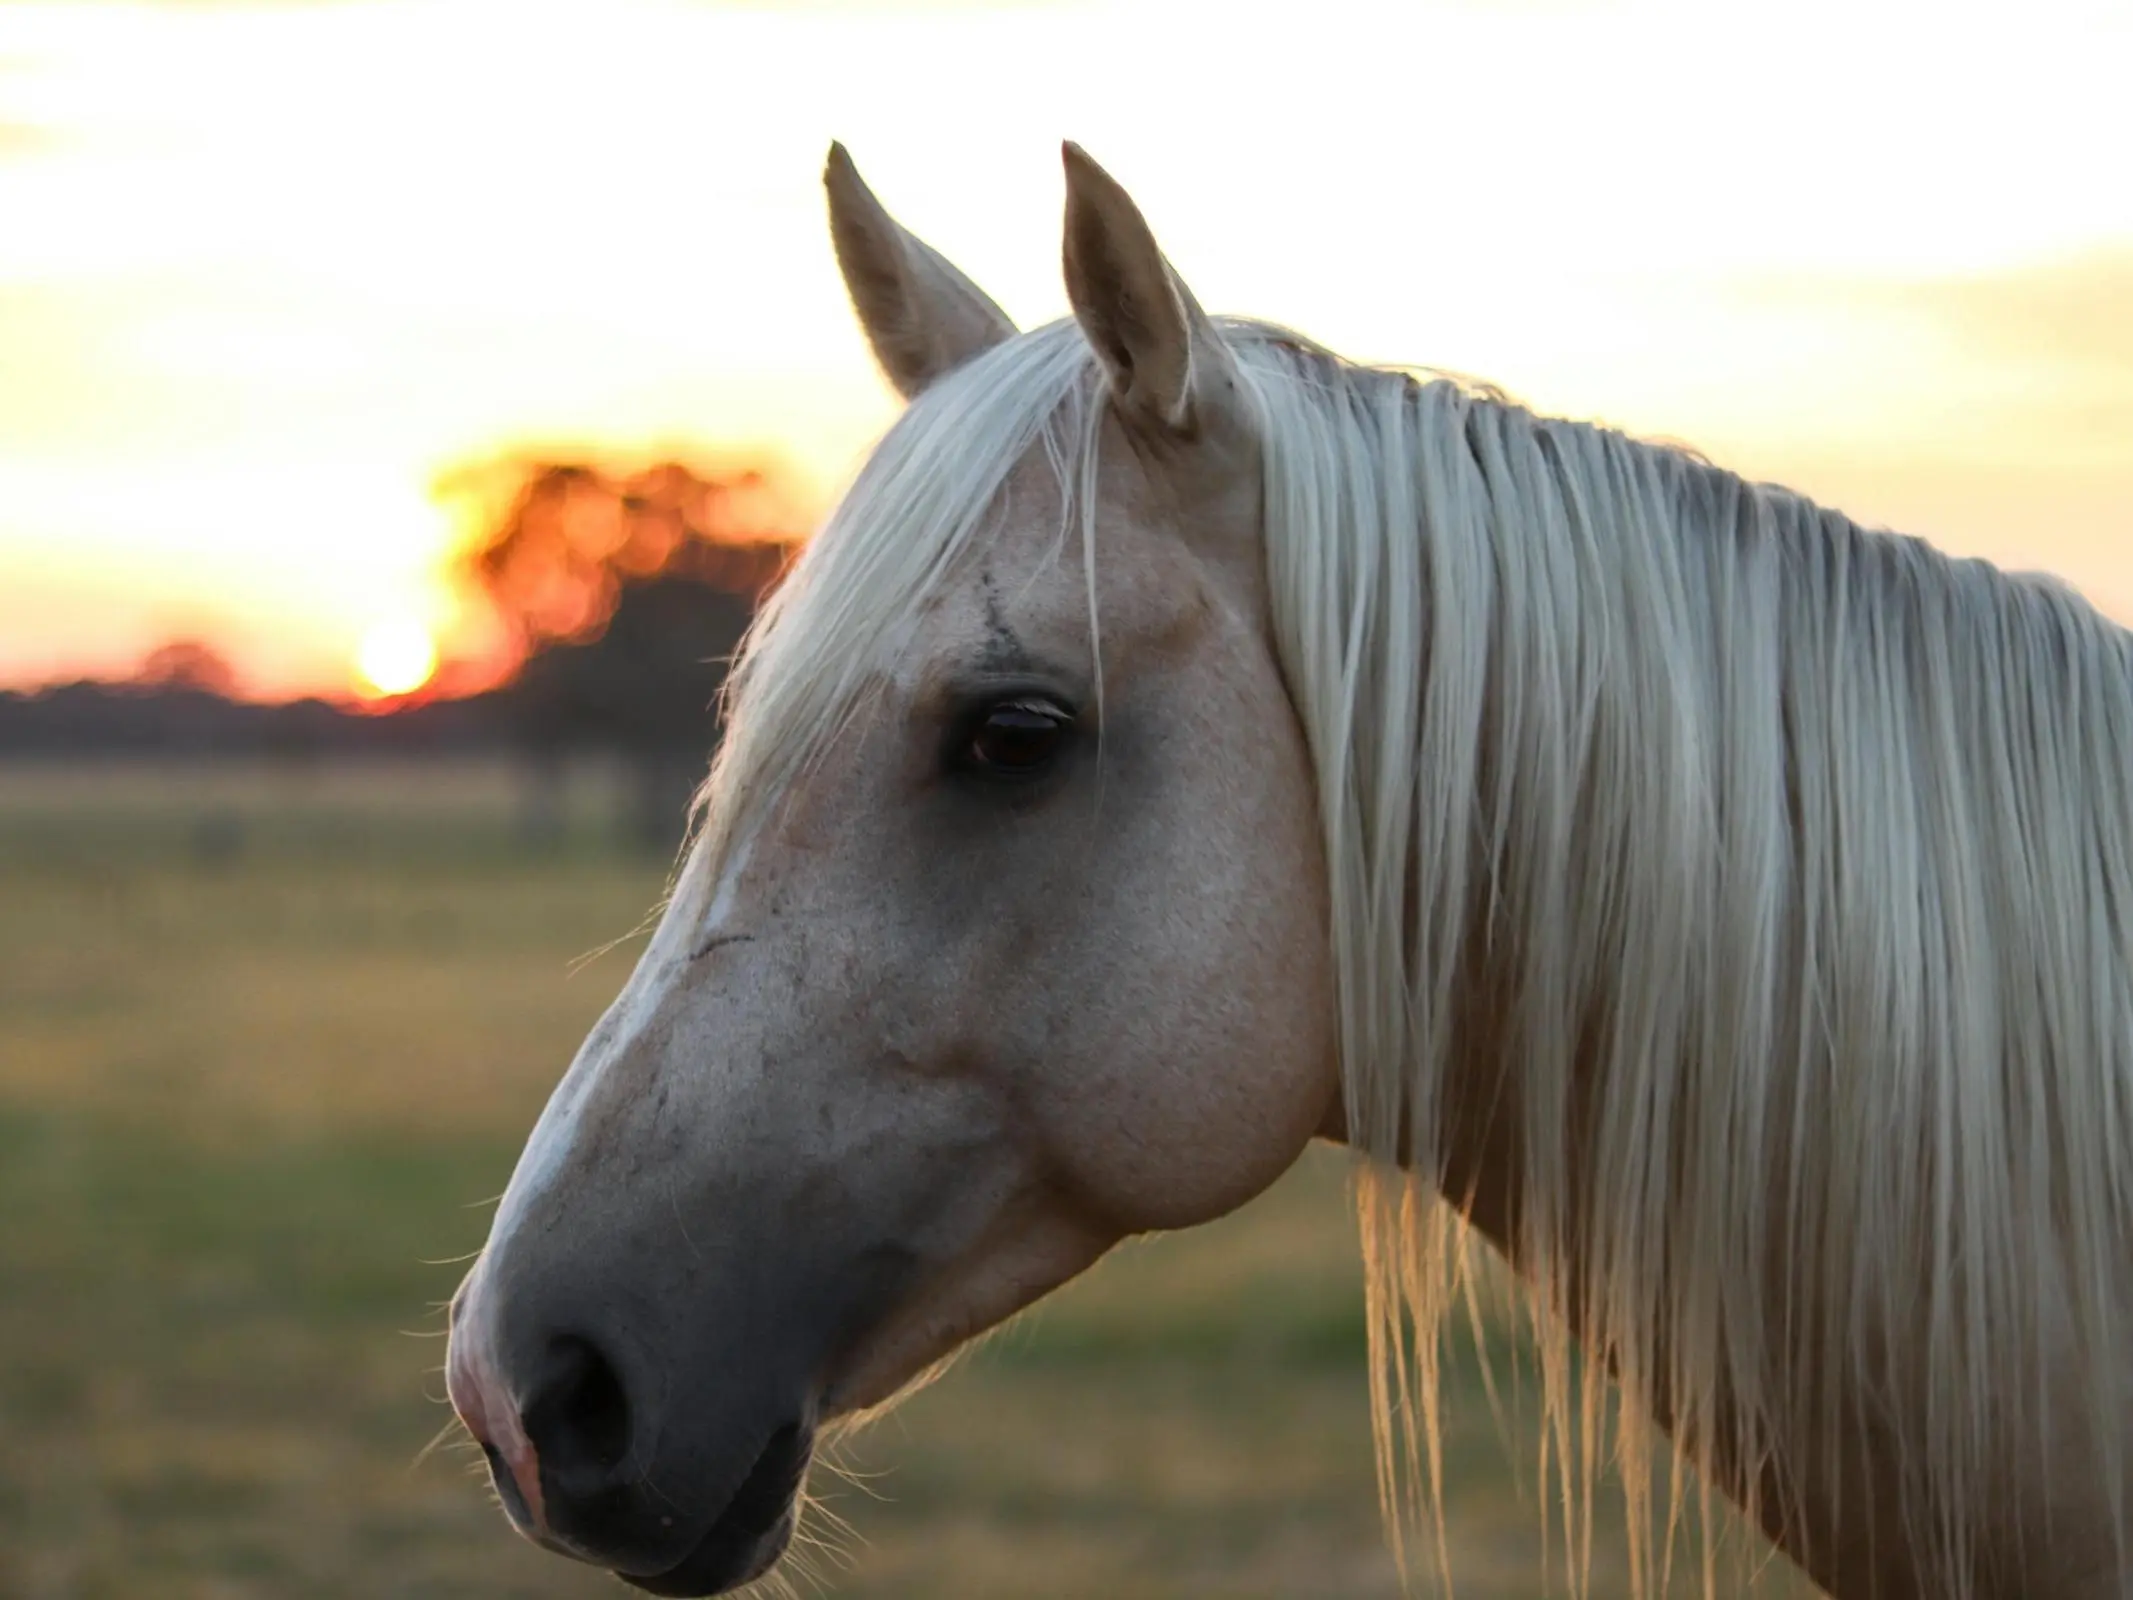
{"x":578,"y":1419}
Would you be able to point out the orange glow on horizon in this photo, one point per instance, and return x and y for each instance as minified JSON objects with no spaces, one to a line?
{"x":269,"y":273}
{"x":396,"y":657}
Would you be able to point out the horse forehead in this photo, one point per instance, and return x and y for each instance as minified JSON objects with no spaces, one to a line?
{"x":1027,"y":574}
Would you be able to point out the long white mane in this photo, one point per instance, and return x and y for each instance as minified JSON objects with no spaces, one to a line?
{"x":1797,"y":854}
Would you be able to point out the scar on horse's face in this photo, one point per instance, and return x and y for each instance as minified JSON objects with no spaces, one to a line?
{"x":1018,"y":969}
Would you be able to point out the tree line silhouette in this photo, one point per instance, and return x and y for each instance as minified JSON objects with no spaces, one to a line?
{"x":619,"y":595}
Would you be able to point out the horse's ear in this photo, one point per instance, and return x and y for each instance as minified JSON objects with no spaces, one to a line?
{"x":921,"y":315}
{"x":1168,"y":366}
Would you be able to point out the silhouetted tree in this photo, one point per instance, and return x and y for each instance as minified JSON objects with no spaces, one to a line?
{"x":187,"y":664}
{"x":623,"y":594}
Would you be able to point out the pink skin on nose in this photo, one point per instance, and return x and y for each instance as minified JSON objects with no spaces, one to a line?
{"x":492,"y":1419}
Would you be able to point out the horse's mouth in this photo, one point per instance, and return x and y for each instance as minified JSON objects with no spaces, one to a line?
{"x":753,"y":1530}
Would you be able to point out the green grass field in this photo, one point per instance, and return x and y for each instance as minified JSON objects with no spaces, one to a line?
{"x":252,"y":1095}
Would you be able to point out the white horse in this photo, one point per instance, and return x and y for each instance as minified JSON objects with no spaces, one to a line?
{"x":1181,"y":743}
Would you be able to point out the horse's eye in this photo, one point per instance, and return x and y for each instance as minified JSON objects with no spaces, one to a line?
{"x":1017,"y":738}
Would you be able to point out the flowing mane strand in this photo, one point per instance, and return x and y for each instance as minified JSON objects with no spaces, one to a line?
{"x":1788,"y":861}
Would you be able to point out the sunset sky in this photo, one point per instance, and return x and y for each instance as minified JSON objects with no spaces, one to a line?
{"x":268,"y":270}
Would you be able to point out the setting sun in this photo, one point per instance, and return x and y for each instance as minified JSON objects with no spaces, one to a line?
{"x":396,"y":657}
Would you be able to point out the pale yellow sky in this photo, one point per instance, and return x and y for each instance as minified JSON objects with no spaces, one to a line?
{"x":267,"y":269}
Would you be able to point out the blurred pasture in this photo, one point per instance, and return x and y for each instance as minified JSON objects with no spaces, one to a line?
{"x":270,"y":1037}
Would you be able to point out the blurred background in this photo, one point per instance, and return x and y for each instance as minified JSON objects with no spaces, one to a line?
{"x":403,"y":405}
